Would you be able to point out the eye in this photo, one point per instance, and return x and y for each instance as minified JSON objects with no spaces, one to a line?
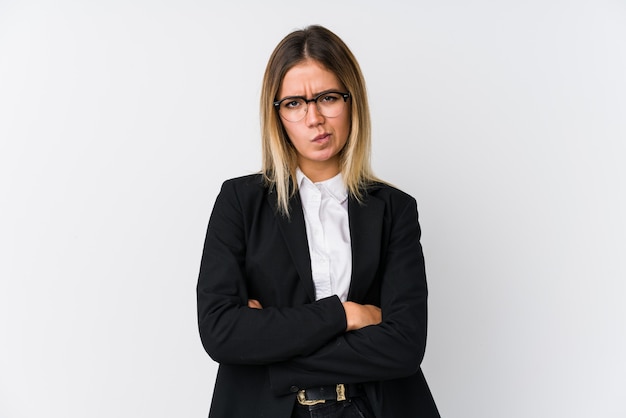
{"x":329,"y":98}
{"x":292,"y":104}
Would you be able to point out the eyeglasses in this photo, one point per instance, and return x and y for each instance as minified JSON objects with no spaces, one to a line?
{"x":329,"y":104}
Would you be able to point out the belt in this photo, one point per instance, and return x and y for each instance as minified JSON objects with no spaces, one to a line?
{"x":321,"y":394}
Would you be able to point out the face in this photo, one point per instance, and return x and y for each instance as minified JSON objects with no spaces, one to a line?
{"x":318,"y":140}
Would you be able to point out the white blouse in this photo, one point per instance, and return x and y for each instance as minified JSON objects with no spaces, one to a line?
{"x":325,"y":206}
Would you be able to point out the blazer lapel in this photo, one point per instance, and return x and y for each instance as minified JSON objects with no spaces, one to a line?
{"x":293,"y":230}
{"x":366,"y":223}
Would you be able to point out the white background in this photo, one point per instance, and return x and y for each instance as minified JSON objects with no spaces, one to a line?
{"x":120,"y":119}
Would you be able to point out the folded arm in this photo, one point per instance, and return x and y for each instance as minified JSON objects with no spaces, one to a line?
{"x":392,"y":349}
{"x":235,"y":333}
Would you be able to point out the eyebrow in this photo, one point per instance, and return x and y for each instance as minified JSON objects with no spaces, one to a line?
{"x":314,"y":94}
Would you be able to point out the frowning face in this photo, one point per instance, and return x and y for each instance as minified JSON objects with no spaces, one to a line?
{"x":318,"y":139}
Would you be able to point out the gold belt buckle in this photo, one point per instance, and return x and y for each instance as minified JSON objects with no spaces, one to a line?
{"x":302,"y":400}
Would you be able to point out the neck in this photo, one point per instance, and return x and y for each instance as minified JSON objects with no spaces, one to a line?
{"x":317,"y":172}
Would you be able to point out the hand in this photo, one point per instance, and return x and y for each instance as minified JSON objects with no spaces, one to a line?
{"x":359,"y":316}
{"x":254,"y":304}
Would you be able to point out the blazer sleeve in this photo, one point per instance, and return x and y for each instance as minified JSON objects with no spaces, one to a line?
{"x":390,"y":350}
{"x":231,"y":332}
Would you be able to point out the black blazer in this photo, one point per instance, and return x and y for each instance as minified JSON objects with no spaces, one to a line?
{"x":267,"y":355}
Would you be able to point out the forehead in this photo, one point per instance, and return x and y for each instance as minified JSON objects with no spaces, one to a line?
{"x":307,"y":79}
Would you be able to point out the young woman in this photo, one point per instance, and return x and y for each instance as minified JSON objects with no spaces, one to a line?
{"x":312,"y":292}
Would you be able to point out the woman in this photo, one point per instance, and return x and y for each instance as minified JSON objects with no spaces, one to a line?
{"x":312,"y":291}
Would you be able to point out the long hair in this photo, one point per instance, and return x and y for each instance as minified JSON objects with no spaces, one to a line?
{"x":280,"y":158}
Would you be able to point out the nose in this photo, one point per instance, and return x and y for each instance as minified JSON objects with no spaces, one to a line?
{"x":313,"y":116}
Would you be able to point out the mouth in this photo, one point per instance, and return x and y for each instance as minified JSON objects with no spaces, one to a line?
{"x":321,"y":137}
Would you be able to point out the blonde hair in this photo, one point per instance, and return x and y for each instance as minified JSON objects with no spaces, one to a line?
{"x":280,"y":158}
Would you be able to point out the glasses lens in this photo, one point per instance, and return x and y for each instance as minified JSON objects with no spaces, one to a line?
{"x":330,"y":104}
{"x":293,"y":109}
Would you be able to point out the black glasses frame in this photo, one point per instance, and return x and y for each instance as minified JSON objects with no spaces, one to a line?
{"x":345,"y":96}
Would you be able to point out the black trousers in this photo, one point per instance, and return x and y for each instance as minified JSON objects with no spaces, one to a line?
{"x":357,"y":407}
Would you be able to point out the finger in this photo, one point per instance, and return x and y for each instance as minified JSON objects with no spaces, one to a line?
{"x":254,"y":304}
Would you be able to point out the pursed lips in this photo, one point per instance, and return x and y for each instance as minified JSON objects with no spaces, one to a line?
{"x":321,"y":137}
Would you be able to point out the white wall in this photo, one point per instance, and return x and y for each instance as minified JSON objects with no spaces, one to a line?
{"x":120,"y":119}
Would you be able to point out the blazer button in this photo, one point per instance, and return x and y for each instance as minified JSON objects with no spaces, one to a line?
{"x":294,"y":389}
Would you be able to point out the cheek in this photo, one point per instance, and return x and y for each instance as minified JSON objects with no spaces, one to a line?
{"x":346,"y":128}
{"x":294,"y":136}
{"x":290,"y":132}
